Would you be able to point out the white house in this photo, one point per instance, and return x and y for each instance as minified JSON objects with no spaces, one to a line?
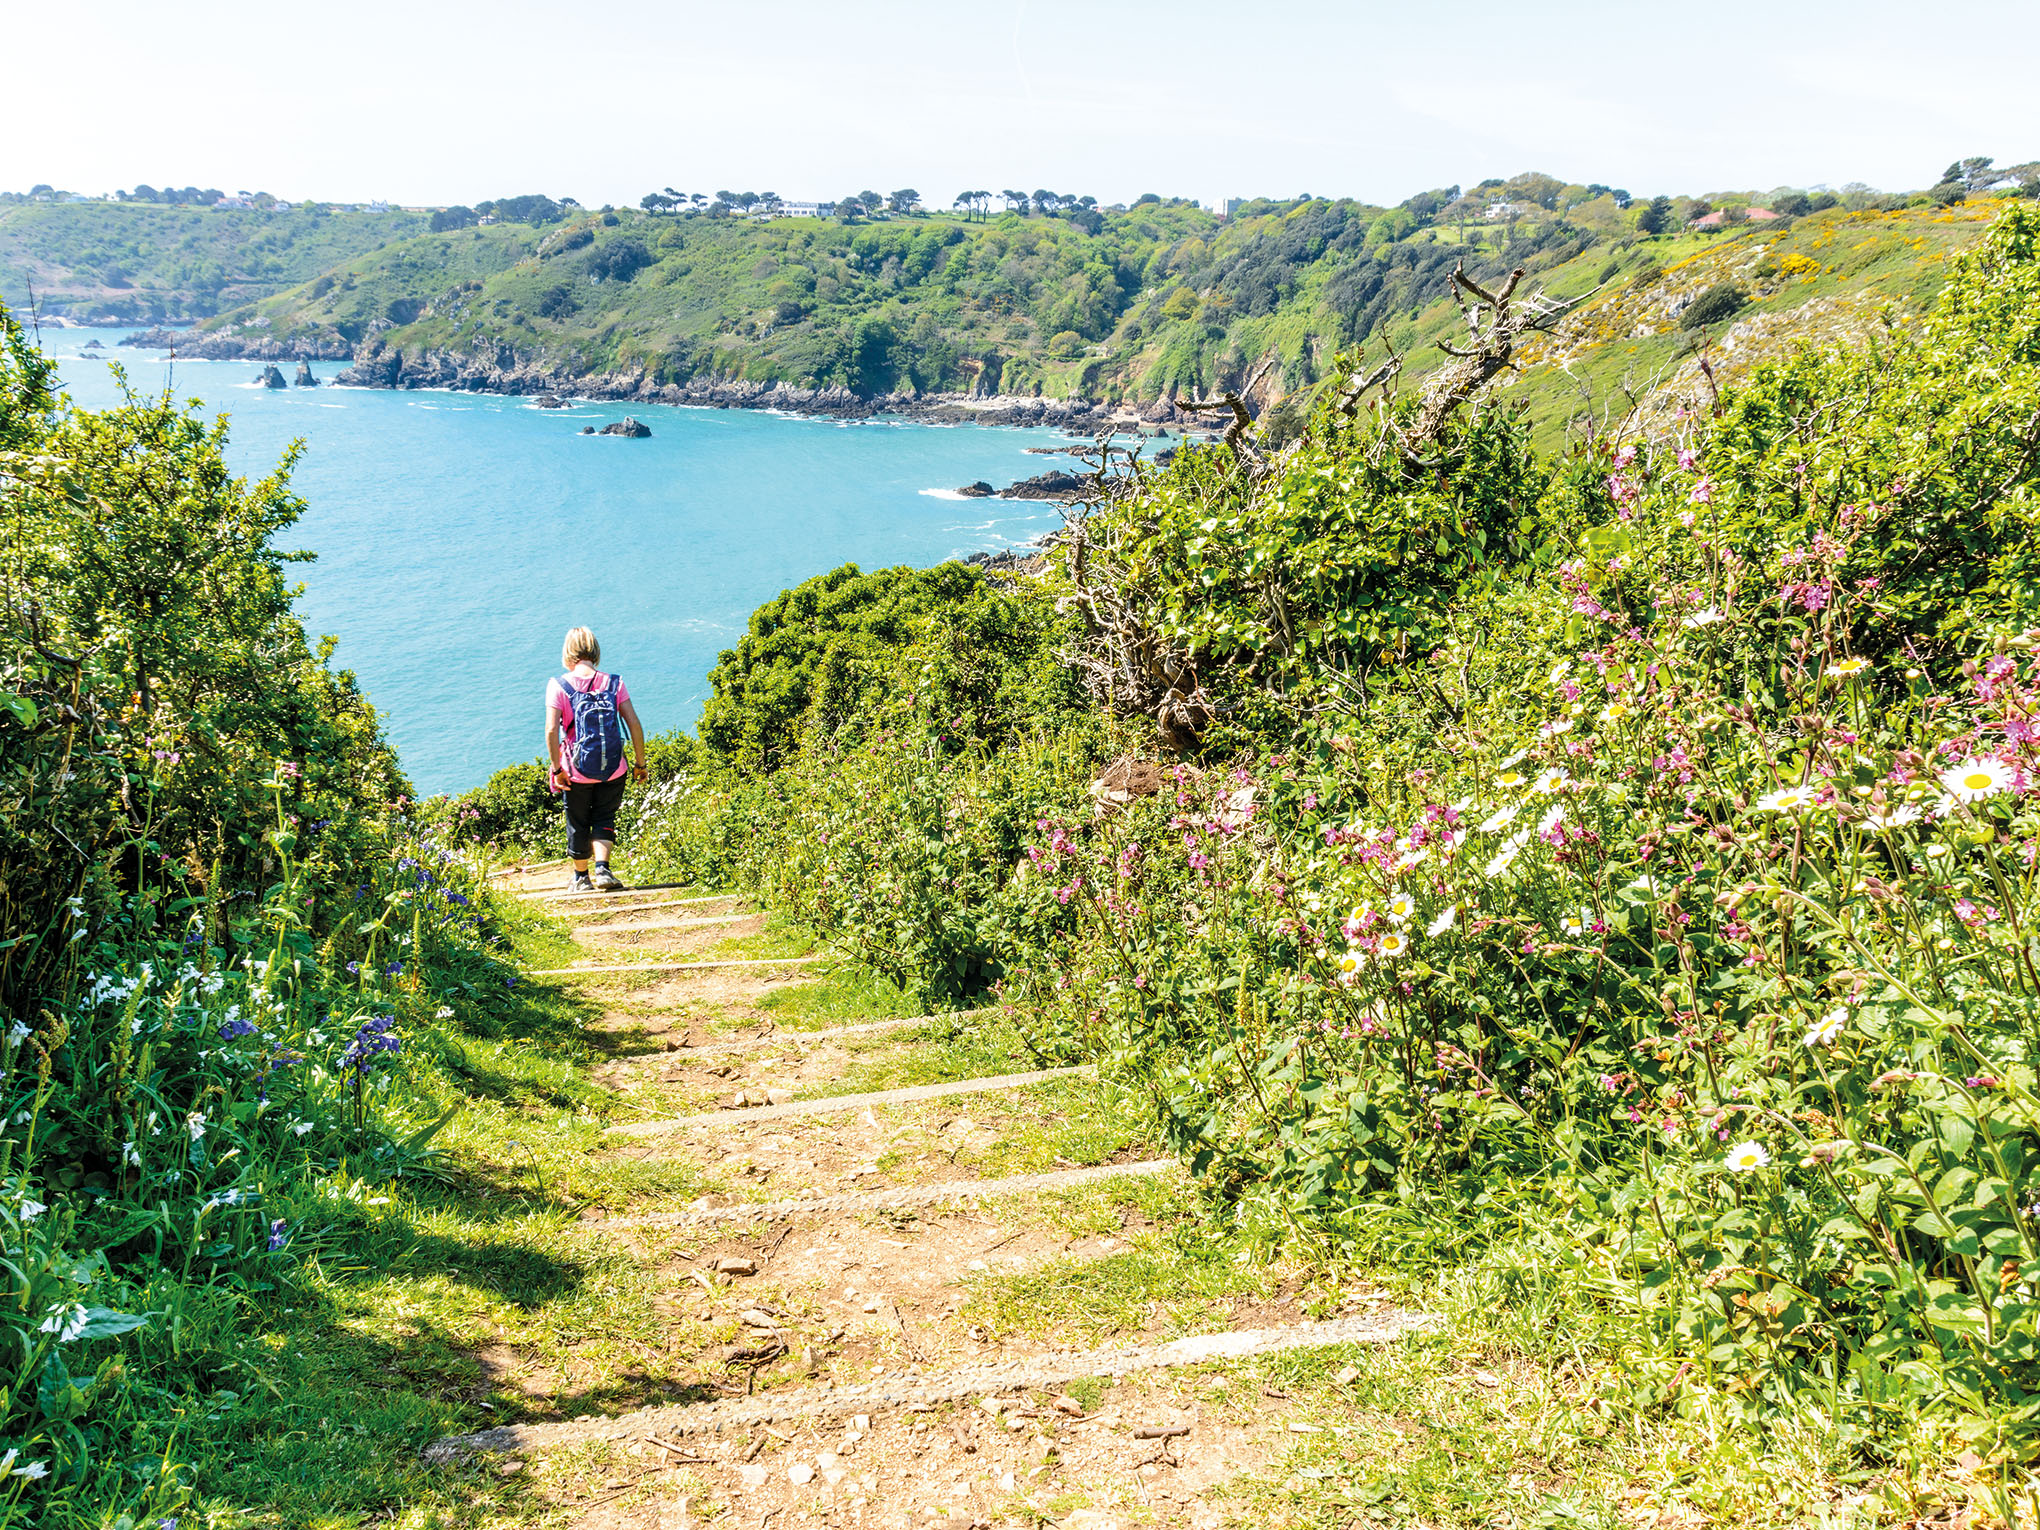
{"x":1496,"y":211}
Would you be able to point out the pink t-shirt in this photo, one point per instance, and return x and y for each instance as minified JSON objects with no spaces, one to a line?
{"x":556,"y":698}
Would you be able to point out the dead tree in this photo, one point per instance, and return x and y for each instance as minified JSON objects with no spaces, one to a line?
{"x":1495,"y":321}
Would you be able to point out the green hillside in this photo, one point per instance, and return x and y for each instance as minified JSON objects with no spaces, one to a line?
{"x":147,"y":263}
{"x":1157,"y":300}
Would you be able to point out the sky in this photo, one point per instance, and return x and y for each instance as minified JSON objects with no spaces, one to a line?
{"x":442,"y":101}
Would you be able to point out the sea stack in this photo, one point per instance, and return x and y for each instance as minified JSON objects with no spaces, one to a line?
{"x":626,"y":427}
{"x":271,"y":378}
{"x":304,"y":377}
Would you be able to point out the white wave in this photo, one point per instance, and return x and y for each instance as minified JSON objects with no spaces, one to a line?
{"x":945,"y":494}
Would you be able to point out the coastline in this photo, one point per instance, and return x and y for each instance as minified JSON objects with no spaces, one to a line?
{"x":373,"y":364}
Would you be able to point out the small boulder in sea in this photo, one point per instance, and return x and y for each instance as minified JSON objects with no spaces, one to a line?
{"x":304,"y":378}
{"x":271,"y":378}
{"x":978,"y":490}
{"x":549,"y":401}
{"x":93,"y":345}
{"x":587,"y":430}
{"x":626,"y":427}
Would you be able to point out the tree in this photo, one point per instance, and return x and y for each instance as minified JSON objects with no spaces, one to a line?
{"x":451,"y":218}
{"x":870,"y":200}
{"x":1971,"y":174}
{"x":903,"y":201}
{"x":1536,"y":187}
{"x":1655,"y":217}
{"x":849,"y":209}
{"x":1016,"y":201}
{"x":1793,"y":204}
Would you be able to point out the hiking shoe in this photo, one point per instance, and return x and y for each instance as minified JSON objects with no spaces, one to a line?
{"x":605,"y":879}
{"x":580,"y":883}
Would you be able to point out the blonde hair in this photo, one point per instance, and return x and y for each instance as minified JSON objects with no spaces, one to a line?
{"x":580,"y":644}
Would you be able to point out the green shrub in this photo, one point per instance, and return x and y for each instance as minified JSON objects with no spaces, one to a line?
{"x":1723,"y":300}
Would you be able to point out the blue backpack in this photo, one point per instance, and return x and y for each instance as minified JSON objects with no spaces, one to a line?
{"x":598,"y":728}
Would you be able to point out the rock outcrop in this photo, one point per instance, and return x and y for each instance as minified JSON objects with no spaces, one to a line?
{"x":978,"y":490}
{"x":206,"y":345}
{"x":549,"y":401}
{"x":627,"y":426}
{"x":1053,"y":485}
{"x":304,"y":378}
{"x":271,"y":378}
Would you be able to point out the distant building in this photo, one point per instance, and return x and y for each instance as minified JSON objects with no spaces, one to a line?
{"x":375,"y":207}
{"x":1230,"y":206}
{"x":486,"y":219}
{"x":1494,"y":212}
{"x":235,"y":199}
{"x":794,"y":210}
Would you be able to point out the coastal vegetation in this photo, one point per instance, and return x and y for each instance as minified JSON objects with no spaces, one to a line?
{"x":1607,"y":875}
{"x":1582,"y":877}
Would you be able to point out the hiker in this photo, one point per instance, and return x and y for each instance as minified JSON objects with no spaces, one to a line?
{"x":586,"y":712}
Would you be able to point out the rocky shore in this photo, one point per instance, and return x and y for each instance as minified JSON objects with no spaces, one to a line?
{"x":501,"y":370}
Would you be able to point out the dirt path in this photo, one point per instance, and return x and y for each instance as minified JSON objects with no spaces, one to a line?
{"x":882,"y":1177}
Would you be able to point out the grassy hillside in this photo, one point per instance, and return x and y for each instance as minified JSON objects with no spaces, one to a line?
{"x":139,"y":262}
{"x":1161,"y":299}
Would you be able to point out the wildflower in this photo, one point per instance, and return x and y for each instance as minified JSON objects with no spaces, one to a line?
{"x":1509,"y":780}
{"x":1401,"y":908}
{"x":279,"y":1235}
{"x":195,"y":1124}
{"x":1614,"y":711}
{"x":130,"y":1154}
{"x":1973,"y":780}
{"x":1896,"y":818}
{"x":1350,"y":964}
{"x":30,"y":1210}
{"x":1523,"y":754}
{"x":1505,"y":857}
{"x":32,"y":1470}
{"x":1408,"y":859}
{"x":1824,"y":1031}
{"x":1577,"y":923}
{"x":1393,"y":943}
{"x":444,"y":1012}
{"x":66,"y":1320}
{"x":1787,"y":799}
{"x":300,"y":1127}
{"x":1550,"y":821}
{"x":1744,"y":1157}
{"x":17,"y":1033}
{"x":1706,"y":616}
{"x":1650,"y":887}
{"x":1550,"y":780}
{"x":1703,"y":492}
{"x":1848,"y":667}
{"x":1444,"y":921}
{"x":236,"y":1027}
{"x":1500,"y":818}
{"x":1557,"y":726}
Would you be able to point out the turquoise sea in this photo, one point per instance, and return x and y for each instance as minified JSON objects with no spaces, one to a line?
{"x":458,"y":535}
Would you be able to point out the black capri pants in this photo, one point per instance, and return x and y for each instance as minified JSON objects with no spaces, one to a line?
{"x":591,"y":814}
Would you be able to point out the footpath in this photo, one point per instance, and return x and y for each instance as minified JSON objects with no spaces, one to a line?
{"x":833,"y":1285}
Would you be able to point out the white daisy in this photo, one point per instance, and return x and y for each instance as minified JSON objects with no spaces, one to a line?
{"x":1444,"y":921}
{"x":1402,"y":908}
{"x":1746,"y":1156}
{"x":1500,"y":818}
{"x":1706,"y":616}
{"x":1509,"y":780}
{"x":1576,"y":923}
{"x":1896,"y":818}
{"x":1846,"y":667}
{"x":1786,"y":799}
{"x":1393,"y":943}
{"x":1550,"y":780}
{"x":1550,"y":821}
{"x":1822,"y":1032}
{"x":1973,"y":780}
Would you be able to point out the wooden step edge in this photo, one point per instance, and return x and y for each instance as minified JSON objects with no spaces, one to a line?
{"x":792,"y":1038}
{"x":986,"y":1378}
{"x":936,"y":1194}
{"x":829,"y":1103}
{"x":749,"y":961}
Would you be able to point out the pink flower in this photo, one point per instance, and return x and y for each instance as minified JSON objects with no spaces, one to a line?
{"x":1703,"y":492}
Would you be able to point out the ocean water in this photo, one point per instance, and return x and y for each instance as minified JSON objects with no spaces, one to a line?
{"x":459,"y":535}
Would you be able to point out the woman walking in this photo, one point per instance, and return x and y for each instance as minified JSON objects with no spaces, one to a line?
{"x":586,"y":712}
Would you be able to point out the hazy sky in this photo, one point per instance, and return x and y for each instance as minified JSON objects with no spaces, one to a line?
{"x":451,"y":101}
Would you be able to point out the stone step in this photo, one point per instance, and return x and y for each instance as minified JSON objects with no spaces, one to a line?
{"x":749,"y":1113}
{"x":940,"y":1193}
{"x":748,"y":961}
{"x":911,"y":1390}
